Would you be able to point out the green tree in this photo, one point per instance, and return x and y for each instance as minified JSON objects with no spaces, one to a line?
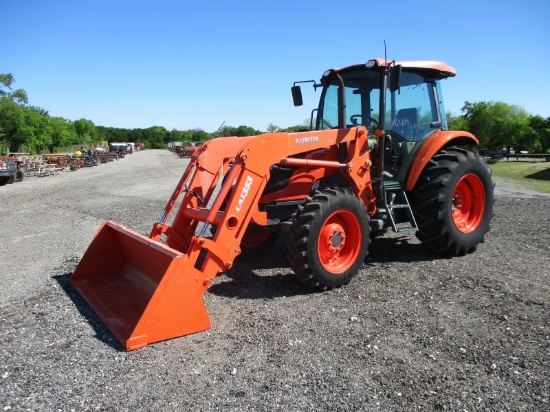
{"x":175,"y":135}
{"x":18,"y":95}
{"x":271,"y":128}
{"x":497,"y":124}
{"x":246,"y":131}
{"x":37,"y":132}
{"x":154,"y":137}
{"x":238,"y":131}
{"x":63,"y":134}
{"x":199,"y":135}
{"x":183,"y":135}
{"x":456,"y":122}
{"x":116,"y":134}
{"x":296,"y":128}
{"x":85,"y":129}
{"x":12,"y":119}
{"x":541,"y":129}
{"x":227,"y":131}
{"x":133,"y":135}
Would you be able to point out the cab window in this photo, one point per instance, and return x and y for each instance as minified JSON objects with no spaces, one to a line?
{"x":413,"y":109}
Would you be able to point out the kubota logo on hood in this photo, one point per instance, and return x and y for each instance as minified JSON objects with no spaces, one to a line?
{"x":244,"y":192}
{"x":307,"y":139}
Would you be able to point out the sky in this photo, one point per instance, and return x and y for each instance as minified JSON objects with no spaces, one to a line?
{"x":189,"y":64}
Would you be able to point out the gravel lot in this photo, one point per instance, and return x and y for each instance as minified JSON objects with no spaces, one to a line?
{"x":413,"y":331}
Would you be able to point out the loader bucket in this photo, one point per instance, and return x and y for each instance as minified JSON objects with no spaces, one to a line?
{"x":142,"y":290}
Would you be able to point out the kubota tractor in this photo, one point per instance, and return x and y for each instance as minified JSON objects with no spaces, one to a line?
{"x":378,"y":155}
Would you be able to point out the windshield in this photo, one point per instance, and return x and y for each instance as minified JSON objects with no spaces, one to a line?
{"x":362,"y":91}
{"x":411,"y":112}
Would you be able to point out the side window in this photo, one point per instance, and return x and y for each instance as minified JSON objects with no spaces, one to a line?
{"x":416,"y":96}
{"x":329,"y":119}
{"x":413,"y":109}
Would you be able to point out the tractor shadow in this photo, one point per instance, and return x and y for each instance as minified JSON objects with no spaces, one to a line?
{"x":400,"y":248}
{"x":269,"y":276}
{"x":261,"y":277}
{"x":265,"y":276}
{"x":540,"y":175}
{"x":101,"y":332}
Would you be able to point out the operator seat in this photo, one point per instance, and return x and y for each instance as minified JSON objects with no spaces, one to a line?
{"x":404,"y":123}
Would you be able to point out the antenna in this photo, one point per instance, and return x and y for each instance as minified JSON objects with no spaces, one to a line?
{"x":219,"y":128}
{"x":385,"y":54}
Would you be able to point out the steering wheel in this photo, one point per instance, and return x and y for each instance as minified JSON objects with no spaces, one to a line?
{"x":353,"y":118}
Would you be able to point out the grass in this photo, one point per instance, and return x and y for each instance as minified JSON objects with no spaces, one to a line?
{"x":535,"y":175}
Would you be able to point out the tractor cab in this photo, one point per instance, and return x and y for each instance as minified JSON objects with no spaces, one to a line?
{"x":401,"y":99}
{"x":400,"y":104}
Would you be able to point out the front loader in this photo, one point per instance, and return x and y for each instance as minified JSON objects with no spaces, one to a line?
{"x":377,"y":156}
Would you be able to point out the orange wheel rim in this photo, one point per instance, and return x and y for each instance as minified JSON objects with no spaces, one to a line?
{"x":339,"y":242}
{"x":468,"y":203}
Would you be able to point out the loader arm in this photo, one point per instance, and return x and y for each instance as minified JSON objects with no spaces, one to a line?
{"x":248,"y":160}
{"x":148,"y":289}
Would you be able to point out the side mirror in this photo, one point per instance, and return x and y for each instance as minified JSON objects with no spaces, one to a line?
{"x":395,"y":77}
{"x":297,"y":95}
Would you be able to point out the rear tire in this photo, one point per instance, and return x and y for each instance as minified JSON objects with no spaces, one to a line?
{"x":453,"y":202}
{"x":329,"y":239}
{"x":257,"y":241}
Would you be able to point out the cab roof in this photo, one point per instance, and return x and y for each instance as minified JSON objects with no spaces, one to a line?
{"x":438,"y":69}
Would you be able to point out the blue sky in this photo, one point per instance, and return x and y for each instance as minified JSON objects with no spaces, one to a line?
{"x":185,"y":65}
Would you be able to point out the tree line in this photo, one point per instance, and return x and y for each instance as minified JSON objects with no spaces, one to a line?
{"x":501,"y":125}
{"x":27,"y":128}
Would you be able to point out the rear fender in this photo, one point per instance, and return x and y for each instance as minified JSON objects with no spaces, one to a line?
{"x":431,"y":146}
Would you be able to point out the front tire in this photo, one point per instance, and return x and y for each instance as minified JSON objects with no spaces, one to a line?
{"x":453,"y":202}
{"x":329,"y":239}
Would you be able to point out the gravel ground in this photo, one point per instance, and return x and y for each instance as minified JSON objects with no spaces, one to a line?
{"x":413,"y":331}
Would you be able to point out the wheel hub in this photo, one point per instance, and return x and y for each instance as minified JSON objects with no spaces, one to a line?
{"x":335,"y":240}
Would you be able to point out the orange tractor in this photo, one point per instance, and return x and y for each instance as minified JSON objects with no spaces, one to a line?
{"x":378,"y":156}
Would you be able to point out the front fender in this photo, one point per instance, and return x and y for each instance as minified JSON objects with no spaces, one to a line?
{"x":431,"y":146}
